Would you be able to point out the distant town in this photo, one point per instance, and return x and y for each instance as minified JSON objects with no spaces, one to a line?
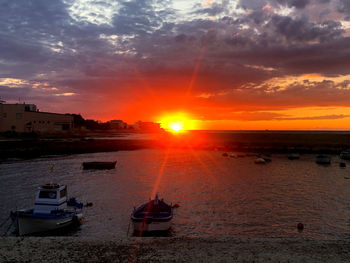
{"x":26,"y":119}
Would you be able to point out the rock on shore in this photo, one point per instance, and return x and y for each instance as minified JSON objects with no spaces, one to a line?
{"x":72,"y":249}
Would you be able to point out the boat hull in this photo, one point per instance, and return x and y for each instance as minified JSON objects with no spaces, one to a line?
{"x":323,"y":160}
{"x":99,"y":165}
{"x":31,"y":225}
{"x":293,"y":156}
{"x":150,"y":226}
{"x":152,"y":216}
{"x":345,"y":155}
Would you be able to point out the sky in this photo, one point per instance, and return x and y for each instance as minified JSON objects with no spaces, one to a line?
{"x":232,"y":65}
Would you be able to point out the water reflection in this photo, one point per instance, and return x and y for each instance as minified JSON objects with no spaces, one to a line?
{"x":218,"y":196}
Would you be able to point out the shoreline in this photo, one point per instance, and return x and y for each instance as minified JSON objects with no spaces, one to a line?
{"x":155,"y":249}
{"x":258,"y":142}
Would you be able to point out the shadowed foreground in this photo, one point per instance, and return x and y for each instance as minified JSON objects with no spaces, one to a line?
{"x":70,"y":249}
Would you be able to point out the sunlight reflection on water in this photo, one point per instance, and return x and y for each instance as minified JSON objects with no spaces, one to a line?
{"x":218,"y":196}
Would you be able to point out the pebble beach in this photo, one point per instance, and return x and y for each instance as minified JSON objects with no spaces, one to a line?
{"x":156,"y":249}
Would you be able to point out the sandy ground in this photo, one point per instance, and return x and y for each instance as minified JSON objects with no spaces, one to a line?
{"x":71,"y":249}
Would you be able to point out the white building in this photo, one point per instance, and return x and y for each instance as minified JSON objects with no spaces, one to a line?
{"x":27,"y":118}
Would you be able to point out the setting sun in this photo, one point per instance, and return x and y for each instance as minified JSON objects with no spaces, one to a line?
{"x":178,"y":122}
{"x":176,"y":126}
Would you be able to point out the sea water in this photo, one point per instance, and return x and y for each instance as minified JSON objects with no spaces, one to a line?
{"x":217,"y":196}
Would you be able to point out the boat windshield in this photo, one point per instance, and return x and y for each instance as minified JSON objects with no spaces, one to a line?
{"x":63,"y":192}
{"x":47,"y":194}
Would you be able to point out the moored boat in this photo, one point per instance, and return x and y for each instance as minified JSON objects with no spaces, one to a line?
{"x":265,"y":157}
{"x":155,"y":215}
{"x":342,"y":165}
{"x":259,"y":160}
{"x":52,"y":210}
{"x":293,"y":156}
{"x":345,"y":155}
{"x":99,"y":165}
{"x":323,"y":159}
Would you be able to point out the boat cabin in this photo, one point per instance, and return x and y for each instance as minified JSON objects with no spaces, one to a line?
{"x":50,"y":197}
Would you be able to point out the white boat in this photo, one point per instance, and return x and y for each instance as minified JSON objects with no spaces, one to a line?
{"x":233,"y":155}
{"x":155,"y":215}
{"x":52,"y":210}
{"x":259,"y":160}
{"x":323,"y":159}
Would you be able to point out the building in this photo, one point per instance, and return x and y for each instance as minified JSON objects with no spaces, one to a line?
{"x":27,"y":118}
{"x":147,"y":126}
{"x":118,"y":124}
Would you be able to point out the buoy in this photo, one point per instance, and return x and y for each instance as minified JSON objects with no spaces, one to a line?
{"x":176,"y":206}
{"x":300,"y":226}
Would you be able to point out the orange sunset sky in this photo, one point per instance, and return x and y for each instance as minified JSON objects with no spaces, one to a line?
{"x":231,"y":65}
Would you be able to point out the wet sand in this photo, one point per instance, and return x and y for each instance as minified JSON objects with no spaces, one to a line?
{"x":162,"y":249}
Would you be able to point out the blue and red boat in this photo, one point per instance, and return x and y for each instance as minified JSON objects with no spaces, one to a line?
{"x":52,"y":210}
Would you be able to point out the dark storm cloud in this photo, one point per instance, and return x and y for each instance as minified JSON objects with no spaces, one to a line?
{"x":136,"y":17}
{"x":302,"y":30}
{"x":27,"y":25}
{"x":259,"y":4}
{"x":253,"y":5}
{"x":344,"y":7}
{"x":257,"y":16}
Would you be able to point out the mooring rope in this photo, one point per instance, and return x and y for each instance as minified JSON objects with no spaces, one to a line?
{"x":11,"y":226}
{"x":3,"y":223}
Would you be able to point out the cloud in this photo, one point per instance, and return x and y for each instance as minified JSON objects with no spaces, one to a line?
{"x":344,"y":7}
{"x":325,"y":117}
{"x":212,"y":8}
{"x":145,"y":48}
{"x":65,"y":94}
{"x":294,"y":3}
{"x":252,"y":5}
{"x":302,"y":30}
{"x":247,"y":116}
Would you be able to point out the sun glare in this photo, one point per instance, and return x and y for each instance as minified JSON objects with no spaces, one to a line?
{"x":177,"y":123}
{"x":176,"y":126}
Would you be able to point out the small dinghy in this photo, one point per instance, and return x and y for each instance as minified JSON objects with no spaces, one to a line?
{"x":155,"y":215}
{"x":99,"y":165}
{"x":260,"y":161}
{"x":293,"y":156}
{"x":52,"y":210}
{"x":323,"y":159}
{"x":345,"y":155}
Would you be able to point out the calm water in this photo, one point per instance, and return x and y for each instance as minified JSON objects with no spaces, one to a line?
{"x":218,"y":196}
